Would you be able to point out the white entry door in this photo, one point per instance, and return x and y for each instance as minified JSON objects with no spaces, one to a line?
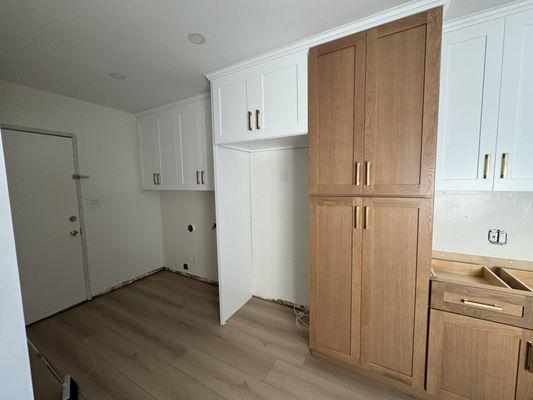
{"x":44,"y":206}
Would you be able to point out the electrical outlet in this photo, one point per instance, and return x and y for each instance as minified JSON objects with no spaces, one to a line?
{"x":497,"y":236}
{"x":185,"y":266}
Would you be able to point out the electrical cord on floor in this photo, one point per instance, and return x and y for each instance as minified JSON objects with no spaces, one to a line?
{"x":302,"y":317}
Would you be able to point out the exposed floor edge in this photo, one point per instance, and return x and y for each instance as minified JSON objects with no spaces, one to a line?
{"x":128,"y":282}
{"x":191,"y":276}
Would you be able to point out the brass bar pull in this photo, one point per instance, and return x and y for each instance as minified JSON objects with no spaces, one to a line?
{"x":485,"y":306}
{"x":154,"y":179}
{"x":356,"y":217}
{"x":367,"y":217}
{"x":357,"y":173}
{"x":202,"y":177}
{"x":197,"y":177}
{"x":529,"y":357}
{"x":249,"y":120}
{"x":257,"y":120}
{"x":158,"y":178}
{"x":505,"y":165}
{"x":486,"y":167}
{"x":367,"y":173}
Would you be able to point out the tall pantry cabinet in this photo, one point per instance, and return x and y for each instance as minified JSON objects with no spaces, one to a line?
{"x":373,"y":101}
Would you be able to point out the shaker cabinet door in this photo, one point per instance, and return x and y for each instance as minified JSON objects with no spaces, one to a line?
{"x":150,"y":162}
{"x":514,"y":162}
{"x":469,"y":102}
{"x":335,"y":242}
{"x":402,"y":89}
{"x":473,"y":359}
{"x":336,"y":118}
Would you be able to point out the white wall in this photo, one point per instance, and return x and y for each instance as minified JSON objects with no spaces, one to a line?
{"x":199,"y":248}
{"x":124,"y":234}
{"x":462,"y":221}
{"x":280,"y":224}
{"x":15,"y":378}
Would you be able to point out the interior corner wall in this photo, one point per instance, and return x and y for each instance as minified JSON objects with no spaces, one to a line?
{"x":462,"y":221}
{"x":15,"y":379}
{"x":197,"y":249}
{"x":280,"y":224}
{"x":124,"y":234}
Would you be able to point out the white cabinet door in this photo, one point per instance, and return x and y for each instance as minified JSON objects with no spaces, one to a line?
{"x":514,"y":166}
{"x":204,"y":144}
{"x":468,"y":120}
{"x":186,"y":147}
{"x":168,"y":178}
{"x":149,"y":151}
{"x":280,"y":92}
{"x":232,"y":107}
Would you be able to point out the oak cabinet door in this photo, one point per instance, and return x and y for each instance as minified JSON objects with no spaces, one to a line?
{"x":472,"y":359}
{"x":402,"y":90}
{"x":514,"y":168}
{"x":524,"y":390}
{"x":335,"y":241}
{"x":336,"y":115}
{"x":469,"y":103}
{"x":395,"y":276}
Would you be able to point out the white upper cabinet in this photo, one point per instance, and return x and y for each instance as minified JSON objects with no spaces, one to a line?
{"x":266,"y":101}
{"x":149,"y":151}
{"x":485,"y":137}
{"x":514,"y":168}
{"x":176,"y":147}
{"x":468,"y":120}
{"x":280,"y":92}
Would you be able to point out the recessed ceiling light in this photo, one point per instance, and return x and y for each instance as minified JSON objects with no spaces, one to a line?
{"x":196,"y":38}
{"x":116,"y":75}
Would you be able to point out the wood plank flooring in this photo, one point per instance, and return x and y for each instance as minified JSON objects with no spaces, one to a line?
{"x":159,"y":338}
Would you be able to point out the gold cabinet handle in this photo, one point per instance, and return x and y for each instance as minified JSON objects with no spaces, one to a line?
{"x":486,"y":167}
{"x":249,"y":120}
{"x":357,"y":173}
{"x":202,"y":177}
{"x":485,"y":306}
{"x":158,"y":178}
{"x":197,"y":177}
{"x":356,"y":217}
{"x":529,"y":357}
{"x":154,"y":178}
{"x":257,"y":120}
{"x":367,"y":173}
{"x":367,"y":217}
{"x":505,"y":165}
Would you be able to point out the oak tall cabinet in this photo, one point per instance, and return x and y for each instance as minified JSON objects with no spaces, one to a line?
{"x":373,"y":101}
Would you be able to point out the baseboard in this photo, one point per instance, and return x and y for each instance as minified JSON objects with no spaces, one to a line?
{"x":128,"y":282}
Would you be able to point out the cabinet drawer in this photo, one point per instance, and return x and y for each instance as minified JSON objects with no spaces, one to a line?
{"x":492,"y":305}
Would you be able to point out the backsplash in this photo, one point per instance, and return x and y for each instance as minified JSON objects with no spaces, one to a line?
{"x":462,"y":221}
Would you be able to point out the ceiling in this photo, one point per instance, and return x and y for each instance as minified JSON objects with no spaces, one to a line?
{"x":70,"y":46}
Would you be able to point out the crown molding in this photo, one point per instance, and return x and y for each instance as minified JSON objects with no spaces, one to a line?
{"x":189,"y":100}
{"x":371,"y":21}
{"x":487,"y":15}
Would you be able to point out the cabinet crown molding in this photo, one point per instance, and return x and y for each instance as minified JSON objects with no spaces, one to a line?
{"x":486,"y":15}
{"x":189,"y":100}
{"x":382,"y":17}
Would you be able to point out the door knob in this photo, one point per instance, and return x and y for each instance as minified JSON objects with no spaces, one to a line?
{"x":72,"y":218}
{"x":74,"y":233}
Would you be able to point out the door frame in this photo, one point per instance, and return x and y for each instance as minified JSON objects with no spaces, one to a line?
{"x":38,"y":131}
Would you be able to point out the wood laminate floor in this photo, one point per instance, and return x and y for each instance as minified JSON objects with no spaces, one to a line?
{"x":159,"y":338}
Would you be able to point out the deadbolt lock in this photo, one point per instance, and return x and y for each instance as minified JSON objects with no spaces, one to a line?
{"x":74,"y":233}
{"x":72,"y":218}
